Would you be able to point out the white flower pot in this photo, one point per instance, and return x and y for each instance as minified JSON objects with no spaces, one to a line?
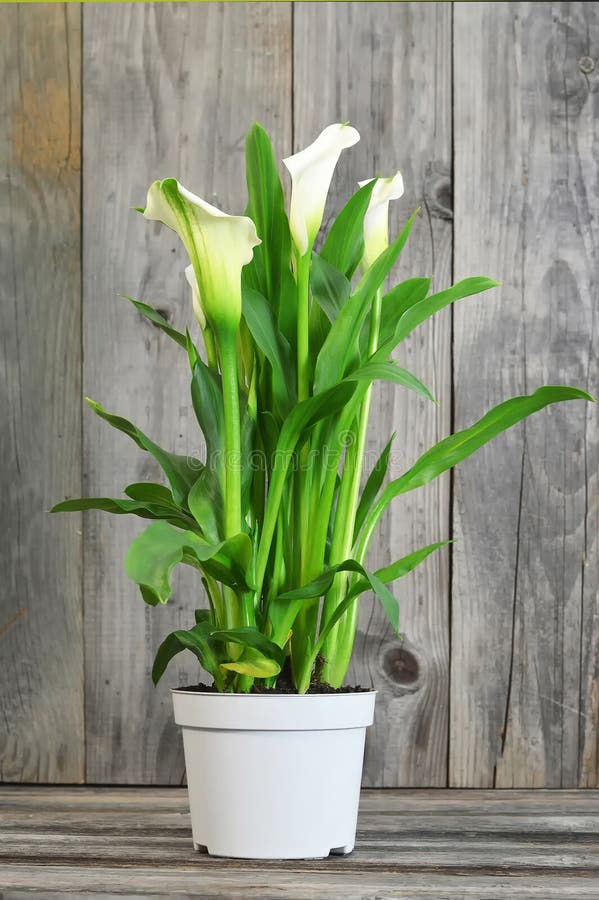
{"x":273,"y":776}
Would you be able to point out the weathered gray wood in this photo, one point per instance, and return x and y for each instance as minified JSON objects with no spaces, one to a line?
{"x":170,"y":90}
{"x":452,"y":844}
{"x":398,"y":852}
{"x":122,"y":801}
{"x":357,"y":61}
{"x":376,"y":831}
{"x":525,"y":638}
{"x":138,"y":881}
{"x":41,"y":642}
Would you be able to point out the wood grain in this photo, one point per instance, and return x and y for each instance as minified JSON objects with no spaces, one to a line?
{"x":229,"y":884}
{"x":170,"y":90}
{"x":386,"y":68}
{"x":41,"y":641}
{"x":525,"y":642}
{"x":137,"y":842}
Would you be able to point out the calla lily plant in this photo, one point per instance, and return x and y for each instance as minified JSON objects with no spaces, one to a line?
{"x":279,"y":515}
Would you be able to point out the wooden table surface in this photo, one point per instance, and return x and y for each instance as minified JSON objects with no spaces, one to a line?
{"x":81,"y":841}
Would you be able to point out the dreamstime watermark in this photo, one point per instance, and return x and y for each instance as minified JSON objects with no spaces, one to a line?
{"x":325,"y":457}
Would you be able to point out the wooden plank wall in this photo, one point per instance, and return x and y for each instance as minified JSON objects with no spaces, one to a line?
{"x":41,"y":604}
{"x":409,"y":744}
{"x":153,"y":105}
{"x":491,"y":104}
{"x":525,"y":627}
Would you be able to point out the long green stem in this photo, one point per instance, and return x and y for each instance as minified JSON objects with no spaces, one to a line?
{"x":339,"y":644}
{"x":303,"y":318}
{"x":321,"y":498}
{"x":239,"y":611}
{"x":304,"y":624}
{"x":211,"y":356}
{"x":304,"y":474}
{"x":213,"y":592}
{"x":228,"y":362}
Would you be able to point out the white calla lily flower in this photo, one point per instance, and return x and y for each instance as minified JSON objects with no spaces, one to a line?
{"x":311,"y":172}
{"x":192,"y":281}
{"x":376,"y":220}
{"x":218,"y":245}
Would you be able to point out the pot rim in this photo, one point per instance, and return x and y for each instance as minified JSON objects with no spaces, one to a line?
{"x":273,"y":695}
{"x":273,"y":712}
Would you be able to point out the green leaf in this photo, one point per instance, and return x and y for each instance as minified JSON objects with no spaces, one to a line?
{"x":390,"y":371}
{"x":166,"y":651}
{"x":269,"y":271}
{"x":318,"y":329}
{"x":153,"y":555}
{"x":399,"y":568}
{"x":204,"y":615}
{"x":197,"y":640}
{"x":299,"y":420}
{"x":118,"y":506}
{"x":105,"y":504}
{"x":393,"y":305}
{"x":330,"y":291}
{"x":269,"y":340}
{"x":208,"y":404}
{"x":192,"y":350}
{"x":248,"y":462}
{"x":207,"y":400}
{"x":181,"y":471}
{"x":205,"y":504}
{"x":424,"y":309}
{"x":253,"y":664}
{"x":157,"y":319}
{"x":229,"y":561}
{"x":149,"y":492}
{"x":320,"y":585}
{"x":342,"y":340}
{"x":251,"y":637}
{"x":308,"y":412}
{"x":373,"y":486}
{"x":453,"y":449}
{"x":344,"y":245}
{"x":330,"y":288}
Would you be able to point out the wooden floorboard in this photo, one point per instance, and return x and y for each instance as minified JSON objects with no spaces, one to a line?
{"x":134,"y":842}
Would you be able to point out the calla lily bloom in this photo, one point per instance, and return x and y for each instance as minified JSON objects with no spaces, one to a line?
{"x":218,"y":245}
{"x":198,"y":310}
{"x":376,"y":220}
{"x":311,"y":172}
{"x":192,"y":281}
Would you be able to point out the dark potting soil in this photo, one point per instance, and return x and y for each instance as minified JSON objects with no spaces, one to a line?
{"x":285,"y":684}
{"x":279,"y":689}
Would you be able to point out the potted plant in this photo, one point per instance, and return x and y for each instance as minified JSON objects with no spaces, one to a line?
{"x":276,"y":518}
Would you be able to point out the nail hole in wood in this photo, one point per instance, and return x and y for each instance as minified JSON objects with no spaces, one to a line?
{"x":586,"y":65}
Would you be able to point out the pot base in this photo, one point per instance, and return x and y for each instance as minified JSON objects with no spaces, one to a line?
{"x":334,"y":851}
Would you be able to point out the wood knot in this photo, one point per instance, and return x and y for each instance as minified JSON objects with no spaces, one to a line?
{"x":401,"y":666}
{"x":438,"y":193}
{"x":563,"y":72}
